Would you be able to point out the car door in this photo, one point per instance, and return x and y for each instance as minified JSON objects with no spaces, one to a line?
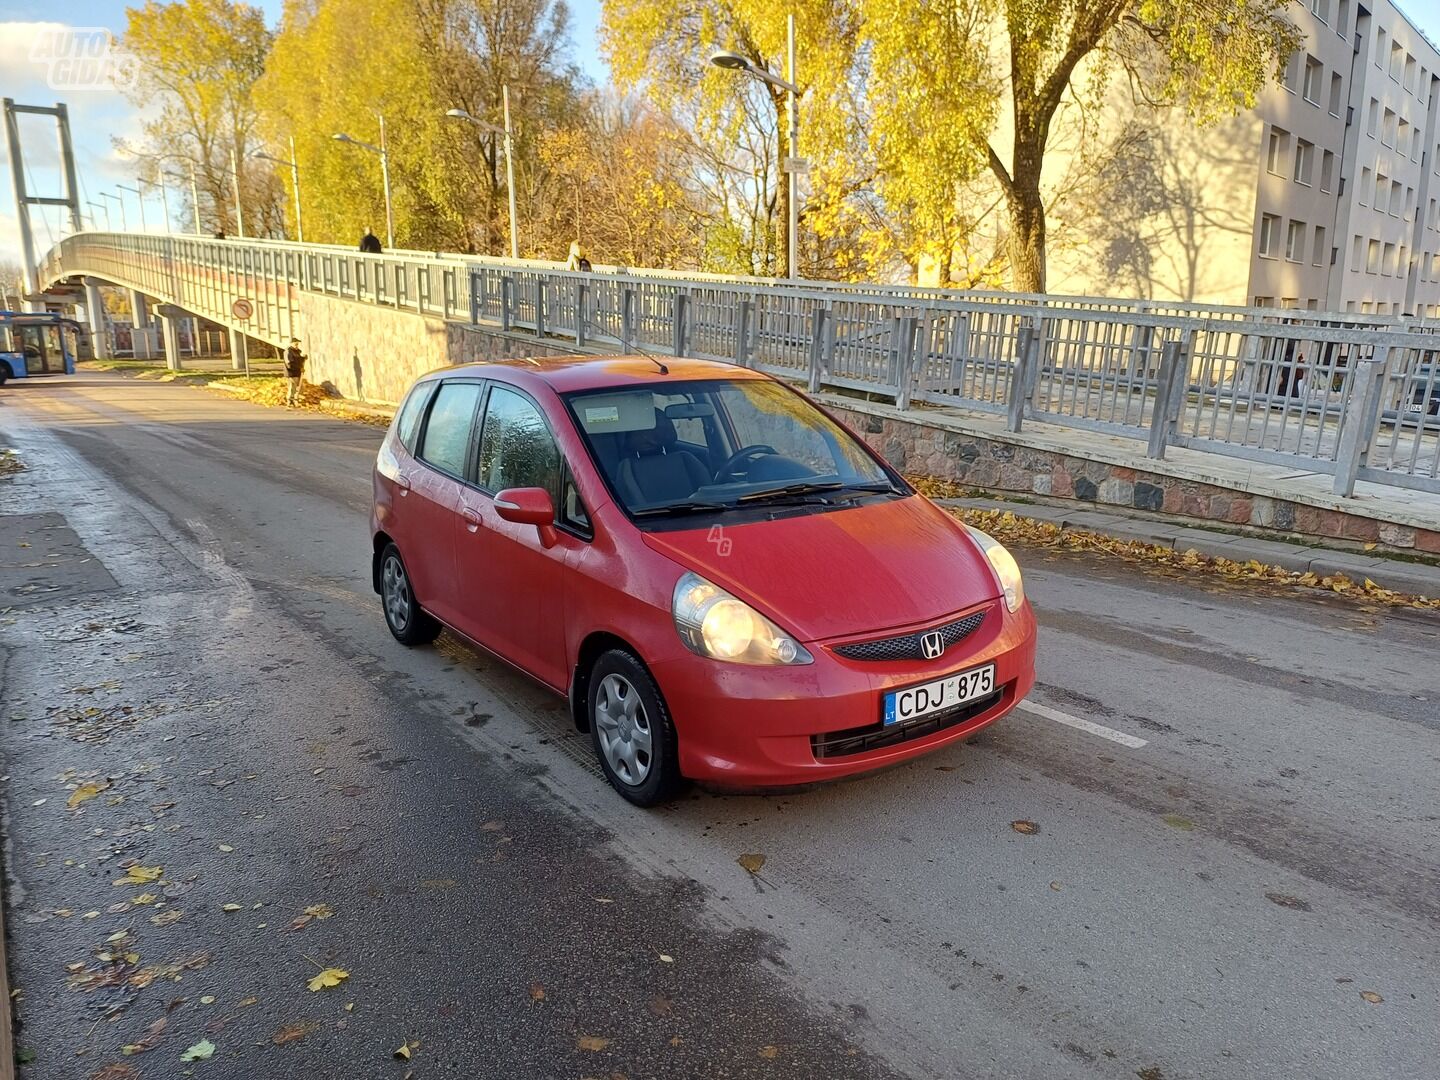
{"x":511,"y":582}
{"x":435,"y":490}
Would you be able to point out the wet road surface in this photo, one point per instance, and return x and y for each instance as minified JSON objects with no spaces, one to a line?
{"x":1235,"y":870}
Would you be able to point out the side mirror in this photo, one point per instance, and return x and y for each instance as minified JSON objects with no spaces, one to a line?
{"x":528,"y":506}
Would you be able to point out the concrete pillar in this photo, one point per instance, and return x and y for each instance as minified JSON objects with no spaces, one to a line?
{"x":142,"y":333}
{"x":170,"y":317}
{"x":95,"y":315}
{"x":239,"y":350}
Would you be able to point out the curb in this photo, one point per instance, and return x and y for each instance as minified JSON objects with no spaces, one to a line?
{"x":1415,"y":578}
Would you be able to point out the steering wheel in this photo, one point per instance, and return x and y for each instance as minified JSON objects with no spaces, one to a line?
{"x":743,"y":456}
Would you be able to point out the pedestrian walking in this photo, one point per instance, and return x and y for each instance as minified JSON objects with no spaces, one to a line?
{"x":294,"y":373}
{"x":370,"y":243}
{"x":577,"y":260}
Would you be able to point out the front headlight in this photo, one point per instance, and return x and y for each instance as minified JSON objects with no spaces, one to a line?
{"x":1005,"y":566}
{"x":713,"y":623}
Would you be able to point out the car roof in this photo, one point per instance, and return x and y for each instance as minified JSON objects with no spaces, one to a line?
{"x":569,"y":373}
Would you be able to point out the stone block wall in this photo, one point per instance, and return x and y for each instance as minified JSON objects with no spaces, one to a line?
{"x":995,"y":465}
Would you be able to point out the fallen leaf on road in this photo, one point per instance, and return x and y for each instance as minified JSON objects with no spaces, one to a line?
{"x":245,"y":1003}
{"x":602,"y":899}
{"x":1287,"y":901}
{"x":231,"y":907}
{"x":666,"y":959}
{"x":140,"y":875}
{"x":207,"y":999}
{"x":769,"y":1052}
{"x":85,"y":792}
{"x":226,"y":848}
{"x":752,"y":862}
{"x":144,"y":898}
{"x":537,"y":992}
{"x":661,"y":1005}
{"x":328,"y":977}
{"x":403,"y":1053}
{"x":1177,"y":822}
{"x":149,"y":1040}
{"x":165,"y":918}
{"x":319,"y":911}
{"x":204,"y":1050}
{"x":1371,"y":996}
{"x":115,"y":1071}
{"x":1027,"y":828}
{"x":1056,"y":886}
{"x":290,"y":1032}
{"x":591,"y":1042}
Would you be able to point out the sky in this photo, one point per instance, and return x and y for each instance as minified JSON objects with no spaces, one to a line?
{"x":97,"y":114}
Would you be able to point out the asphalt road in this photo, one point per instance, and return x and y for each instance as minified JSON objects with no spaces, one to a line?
{"x":1253,"y":892}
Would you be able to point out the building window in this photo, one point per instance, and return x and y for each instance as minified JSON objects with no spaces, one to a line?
{"x":1380,"y":48}
{"x":1382,"y":192}
{"x":1397,"y":58}
{"x":1387,"y":261}
{"x":1264,"y":301}
{"x":1372,"y":119}
{"x":1364,"y":186}
{"x":1409,"y":204}
{"x":1433,"y":208}
{"x":1409,"y":80}
{"x":1336,"y":86}
{"x":1295,"y":241}
{"x":1275,"y":152}
{"x":1342,"y":17}
{"x":1387,"y":130}
{"x":1292,"y":72}
{"x":1304,"y":161}
{"x":1402,"y":137}
{"x":1415,"y":143}
{"x":1357,"y":253}
{"x":1402,"y":262}
{"x":1269,"y":236}
{"x":1317,"y":250}
{"x":1327,"y":172}
{"x":1320,"y":9}
{"x":1314,"y":75}
{"x":1372,"y":257}
{"x":1397,"y":198}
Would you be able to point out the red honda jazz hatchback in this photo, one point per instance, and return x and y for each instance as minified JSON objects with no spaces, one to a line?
{"x":726,"y":583}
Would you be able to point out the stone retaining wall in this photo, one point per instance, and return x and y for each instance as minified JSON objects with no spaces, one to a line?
{"x":995,"y":465}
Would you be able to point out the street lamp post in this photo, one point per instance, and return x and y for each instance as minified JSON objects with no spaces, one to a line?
{"x":294,"y":182}
{"x":121,"y":204}
{"x":159,"y":182}
{"x":483,"y":125}
{"x":139,"y":194}
{"x":103,"y":209}
{"x":235,"y":179}
{"x":792,"y":165}
{"x":384,"y":175}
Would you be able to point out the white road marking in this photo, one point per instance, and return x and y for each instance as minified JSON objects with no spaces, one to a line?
{"x":1084,"y":725}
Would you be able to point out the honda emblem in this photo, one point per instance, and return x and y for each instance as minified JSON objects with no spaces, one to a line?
{"x":932,"y":645}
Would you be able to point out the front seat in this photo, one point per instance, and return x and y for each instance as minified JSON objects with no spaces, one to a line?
{"x":652,"y":471}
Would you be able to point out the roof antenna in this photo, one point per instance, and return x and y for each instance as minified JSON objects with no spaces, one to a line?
{"x":634,"y":345}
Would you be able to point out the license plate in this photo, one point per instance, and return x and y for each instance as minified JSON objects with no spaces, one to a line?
{"x":916,"y":701}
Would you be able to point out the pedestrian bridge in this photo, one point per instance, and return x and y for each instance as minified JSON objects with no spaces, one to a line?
{"x":1342,"y":394}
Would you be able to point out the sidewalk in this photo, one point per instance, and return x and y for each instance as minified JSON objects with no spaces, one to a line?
{"x":1183,"y":534}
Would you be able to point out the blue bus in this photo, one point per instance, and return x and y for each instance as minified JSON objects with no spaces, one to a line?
{"x":35,"y":343}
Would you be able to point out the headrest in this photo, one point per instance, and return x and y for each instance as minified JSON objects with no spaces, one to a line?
{"x":652,"y":440}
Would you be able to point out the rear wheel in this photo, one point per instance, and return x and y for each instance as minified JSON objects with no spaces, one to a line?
{"x":408,"y":621}
{"x":631,"y":729}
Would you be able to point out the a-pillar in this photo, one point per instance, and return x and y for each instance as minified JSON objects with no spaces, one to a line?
{"x":142,"y":344}
{"x":95,"y":316}
{"x":239,"y":350}
{"x":170,"y":317}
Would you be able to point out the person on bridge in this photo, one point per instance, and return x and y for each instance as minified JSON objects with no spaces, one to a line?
{"x":577,"y":260}
{"x":294,"y":373}
{"x":370,"y":243}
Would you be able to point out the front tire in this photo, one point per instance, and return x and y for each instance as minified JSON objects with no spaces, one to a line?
{"x":631,"y":729}
{"x":409,"y":623}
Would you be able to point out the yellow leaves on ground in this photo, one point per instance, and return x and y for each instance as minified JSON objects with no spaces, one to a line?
{"x":1011,"y":528}
{"x":1026,"y":828}
{"x":319,"y":911}
{"x":290,"y":1032}
{"x":1371,"y":996}
{"x":404,"y":1050}
{"x":537,"y":992}
{"x":165,"y":918}
{"x":327,"y":979}
{"x":752,"y":862}
{"x":85,"y":792}
{"x":591,"y":1042}
{"x":201,"y":1051}
{"x":140,"y":875}
{"x":231,"y":907}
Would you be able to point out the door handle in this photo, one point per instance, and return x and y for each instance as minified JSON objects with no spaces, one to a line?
{"x":473,"y":521}
{"x":403,"y":483}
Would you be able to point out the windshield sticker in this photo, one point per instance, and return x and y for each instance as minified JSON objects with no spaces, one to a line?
{"x":609,"y":414}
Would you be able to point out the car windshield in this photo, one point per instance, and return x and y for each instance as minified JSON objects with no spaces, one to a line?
{"x":676,"y":448}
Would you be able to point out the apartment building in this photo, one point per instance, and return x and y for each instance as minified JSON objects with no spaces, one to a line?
{"x":1326,"y":195}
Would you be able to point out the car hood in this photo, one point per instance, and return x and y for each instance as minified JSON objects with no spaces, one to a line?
{"x":885,"y":563}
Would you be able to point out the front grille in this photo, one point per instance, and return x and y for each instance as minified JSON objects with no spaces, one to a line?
{"x":907,"y":646}
{"x":874,"y":736}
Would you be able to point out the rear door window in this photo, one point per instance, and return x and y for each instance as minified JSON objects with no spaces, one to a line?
{"x":407,"y":426}
{"x":447,"y":431}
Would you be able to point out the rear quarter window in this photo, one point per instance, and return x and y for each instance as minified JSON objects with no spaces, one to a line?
{"x":407,"y":421}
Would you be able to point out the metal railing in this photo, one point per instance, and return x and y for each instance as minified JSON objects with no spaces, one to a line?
{"x":1354,"y":396}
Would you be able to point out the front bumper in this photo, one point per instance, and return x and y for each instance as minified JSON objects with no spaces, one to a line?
{"x":749,"y":726}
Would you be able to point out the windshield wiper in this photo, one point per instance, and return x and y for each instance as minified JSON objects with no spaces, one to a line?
{"x":815,"y":488}
{"x":690,"y":506}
